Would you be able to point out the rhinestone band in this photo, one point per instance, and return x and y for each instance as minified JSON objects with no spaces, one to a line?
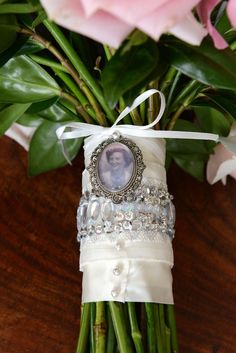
{"x":150,"y":209}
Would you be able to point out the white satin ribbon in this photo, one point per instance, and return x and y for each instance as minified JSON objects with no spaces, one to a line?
{"x":129,"y":270}
{"x":78,"y":130}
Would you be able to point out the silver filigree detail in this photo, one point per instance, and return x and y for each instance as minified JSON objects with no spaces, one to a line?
{"x":125,"y":193}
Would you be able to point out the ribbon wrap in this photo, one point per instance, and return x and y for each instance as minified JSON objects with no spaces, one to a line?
{"x":118,"y":266}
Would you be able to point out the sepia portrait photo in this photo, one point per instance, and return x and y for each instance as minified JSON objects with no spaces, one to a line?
{"x":116,"y":166}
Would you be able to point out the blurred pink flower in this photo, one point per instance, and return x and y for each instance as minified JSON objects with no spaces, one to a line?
{"x":109,"y":22}
{"x":21,"y":134}
{"x":205,"y":9}
{"x":222,"y":162}
{"x":231,"y":12}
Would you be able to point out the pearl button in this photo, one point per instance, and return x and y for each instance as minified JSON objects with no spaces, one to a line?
{"x":119,"y":245}
{"x":114,"y":293}
{"x":116,"y":271}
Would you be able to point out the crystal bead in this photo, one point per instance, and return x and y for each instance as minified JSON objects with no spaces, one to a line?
{"x":171,"y":213}
{"x":116,"y":135}
{"x":136,"y":224}
{"x":82,"y":215}
{"x":93,"y":209}
{"x":127,"y":225}
{"x":119,"y":216}
{"x":98,"y":229}
{"x":108,"y":227}
{"x":91,"y":230}
{"x":171,"y":232}
{"x":118,"y":227}
{"x":129,"y":216}
{"x":107,"y":210}
{"x":83,"y":232}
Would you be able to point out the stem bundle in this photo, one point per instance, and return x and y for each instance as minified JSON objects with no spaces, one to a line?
{"x":106,"y":328}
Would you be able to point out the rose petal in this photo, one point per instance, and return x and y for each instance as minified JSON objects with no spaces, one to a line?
{"x":204,"y":10}
{"x":21,"y":134}
{"x":166,"y":17}
{"x":189,"y":30}
{"x":101,"y":26}
{"x":128,"y":11}
{"x":226,"y":168}
{"x":231,"y":12}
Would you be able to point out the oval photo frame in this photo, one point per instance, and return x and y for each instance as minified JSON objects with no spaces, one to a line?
{"x":116,"y":168}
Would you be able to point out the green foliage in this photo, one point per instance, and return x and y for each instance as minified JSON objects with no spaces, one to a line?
{"x":203,"y":63}
{"x":190,"y":155}
{"x":8,"y":34}
{"x":45,"y":151}
{"x":212,"y":120}
{"x":24,"y":81}
{"x":127,"y":68}
{"x":10,"y":114}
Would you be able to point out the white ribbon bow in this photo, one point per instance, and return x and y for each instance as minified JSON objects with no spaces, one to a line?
{"x":83,"y":129}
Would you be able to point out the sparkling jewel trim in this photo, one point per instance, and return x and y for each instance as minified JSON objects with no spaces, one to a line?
{"x":149,"y":212}
{"x":142,"y":236}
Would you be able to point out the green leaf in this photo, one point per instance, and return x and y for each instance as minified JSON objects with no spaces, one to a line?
{"x":194,"y":168}
{"x":45,"y":151}
{"x":34,"y":116}
{"x":18,"y":8}
{"x":211,"y":120}
{"x":29,"y":47}
{"x":22,"y":45}
{"x":8,"y":35}
{"x":188,"y":150}
{"x":11,"y":114}
{"x":39,"y":19}
{"x":24,"y":81}
{"x":57,"y":112}
{"x":39,"y":106}
{"x":226,"y":103}
{"x":127,"y":69}
{"x":204,"y":63}
{"x":158,"y":71}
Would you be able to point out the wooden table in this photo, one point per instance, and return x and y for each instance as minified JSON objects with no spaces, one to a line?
{"x":40,"y":282}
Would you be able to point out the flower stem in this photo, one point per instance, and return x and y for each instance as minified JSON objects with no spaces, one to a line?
{"x":162,"y":325}
{"x":111,"y":338}
{"x":135,"y":332}
{"x":118,"y":320}
{"x":160,"y":346}
{"x":78,"y":94}
{"x":150,"y":328}
{"x":79,"y":66}
{"x":186,"y":96}
{"x":168,"y":79}
{"x":48,"y":62}
{"x":172,"y":326}
{"x":136,"y":117}
{"x":175,"y":117}
{"x":92,"y":321}
{"x":64,"y":62}
{"x":79,"y":108}
{"x":84,"y":329}
{"x":100,"y":328}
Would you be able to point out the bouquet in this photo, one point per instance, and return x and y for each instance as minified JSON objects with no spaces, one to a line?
{"x":141,"y":85}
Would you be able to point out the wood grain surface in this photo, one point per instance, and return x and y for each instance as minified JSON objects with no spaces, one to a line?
{"x":40,"y":284}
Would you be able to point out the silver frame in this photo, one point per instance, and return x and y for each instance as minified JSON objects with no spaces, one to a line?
{"x":126,"y":193}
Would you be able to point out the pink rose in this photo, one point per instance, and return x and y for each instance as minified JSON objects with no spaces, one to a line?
{"x":222,"y":162}
{"x":205,"y":9}
{"x":110,"y":21}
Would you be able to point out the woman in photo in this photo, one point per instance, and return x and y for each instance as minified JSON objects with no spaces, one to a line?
{"x":119,"y":170}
